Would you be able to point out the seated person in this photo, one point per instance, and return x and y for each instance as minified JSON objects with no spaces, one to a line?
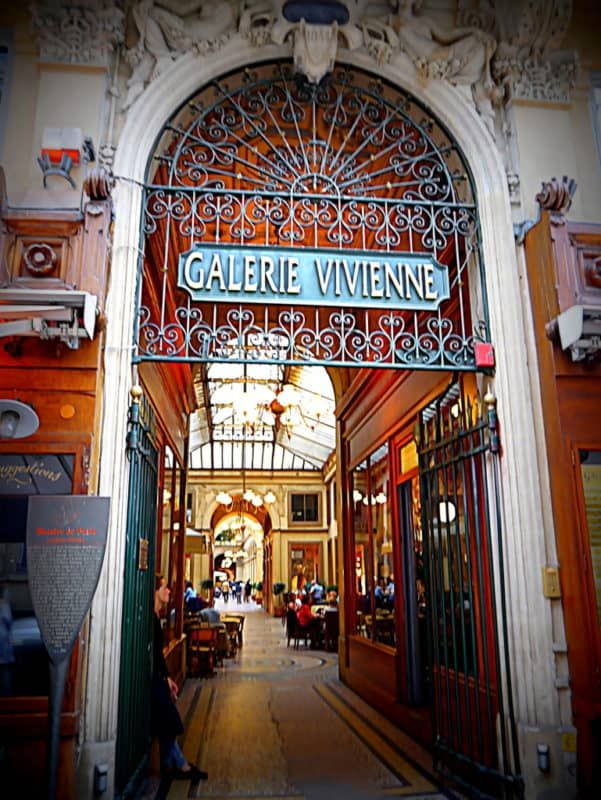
{"x":189,"y":592}
{"x":210,"y":615}
{"x":196,"y":604}
{"x":317,"y":591}
{"x":306,"y":619}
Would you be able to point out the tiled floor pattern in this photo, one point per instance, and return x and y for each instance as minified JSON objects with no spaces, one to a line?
{"x":277,"y":723}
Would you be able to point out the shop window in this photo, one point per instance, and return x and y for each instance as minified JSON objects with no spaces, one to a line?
{"x":305,"y":508}
{"x":596,"y":110}
{"x":23,"y":659}
{"x":5,"y":68}
{"x":372,"y":528}
{"x":304,"y":564}
{"x":590,"y":468}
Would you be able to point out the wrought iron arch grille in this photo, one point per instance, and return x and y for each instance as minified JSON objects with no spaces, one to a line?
{"x":265,"y":159}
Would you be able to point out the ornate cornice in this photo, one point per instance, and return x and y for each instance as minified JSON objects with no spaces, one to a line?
{"x":537,"y":79}
{"x":78,"y":31}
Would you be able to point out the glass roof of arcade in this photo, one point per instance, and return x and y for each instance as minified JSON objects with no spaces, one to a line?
{"x":262,"y":417}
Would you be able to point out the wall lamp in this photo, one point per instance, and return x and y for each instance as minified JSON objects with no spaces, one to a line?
{"x":17,"y":420}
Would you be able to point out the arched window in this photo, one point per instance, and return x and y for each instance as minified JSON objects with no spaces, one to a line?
{"x":352,"y":171}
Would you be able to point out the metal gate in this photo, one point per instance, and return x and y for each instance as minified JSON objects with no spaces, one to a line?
{"x":133,"y":734}
{"x":470,"y":684}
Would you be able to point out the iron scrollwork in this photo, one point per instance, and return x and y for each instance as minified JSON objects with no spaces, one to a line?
{"x":268,"y":159}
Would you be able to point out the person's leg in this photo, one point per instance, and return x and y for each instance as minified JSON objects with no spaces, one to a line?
{"x":177,"y":757}
{"x":171,"y":754}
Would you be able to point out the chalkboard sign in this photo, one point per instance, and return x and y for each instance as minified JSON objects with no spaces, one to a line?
{"x":66,"y":539}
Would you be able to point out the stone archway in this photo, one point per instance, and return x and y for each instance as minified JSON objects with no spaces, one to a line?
{"x":523,"y":511}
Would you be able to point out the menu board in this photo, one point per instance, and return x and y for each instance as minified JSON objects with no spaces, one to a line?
{"x":591,"y":486}
{"x":66,"y":540}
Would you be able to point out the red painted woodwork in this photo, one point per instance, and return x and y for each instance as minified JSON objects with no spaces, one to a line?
{"x":65,"y":388}
{"x":562,"y":263}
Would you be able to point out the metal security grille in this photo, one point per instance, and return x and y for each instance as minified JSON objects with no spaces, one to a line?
{"x":265,"y":159}
{"x":133,"y":734}
{"x":473,"y":719}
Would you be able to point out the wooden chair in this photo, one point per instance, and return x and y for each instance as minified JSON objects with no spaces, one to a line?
{"x":302,"y":634}
{"x":232,"y":628}
{"x":240,"y":619}
{"x":290,"y":625}
{"x":331,"y":629}
{"x":202,"y":650}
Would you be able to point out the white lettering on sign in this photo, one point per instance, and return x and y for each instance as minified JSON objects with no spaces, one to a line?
{"x":376,"y":279}
{"x":309,"y":276}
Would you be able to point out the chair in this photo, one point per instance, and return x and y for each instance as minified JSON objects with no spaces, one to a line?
{"x":291,"y":622}
{"x":240,"y":619}
{"x":232,"y":627}
{"x":202,"y":650}
{"x":331,"y":629}
{"x":303,"y":633}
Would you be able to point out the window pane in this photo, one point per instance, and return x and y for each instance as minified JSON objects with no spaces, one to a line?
{"x":383,"y":577}
{"x":358,"y":489}
{"x":590,"y":465}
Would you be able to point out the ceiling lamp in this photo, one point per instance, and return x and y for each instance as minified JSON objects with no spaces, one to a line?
{"x":17,"y":420}
{"x":249,"y":496}
{"x":224,"y":499}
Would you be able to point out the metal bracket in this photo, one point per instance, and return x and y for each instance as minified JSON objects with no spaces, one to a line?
{"x":62,"y":169}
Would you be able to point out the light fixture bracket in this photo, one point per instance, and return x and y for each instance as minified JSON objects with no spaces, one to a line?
{"x":26,"y":420}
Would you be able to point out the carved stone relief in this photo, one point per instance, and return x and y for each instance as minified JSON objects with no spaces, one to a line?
{"x":167,"y":29}
{"x":78,"y":31}
{"x":499,"y":50}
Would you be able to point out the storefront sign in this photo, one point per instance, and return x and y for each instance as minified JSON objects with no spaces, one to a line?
{"x":345,"y":278}
{"x":35,"y":473}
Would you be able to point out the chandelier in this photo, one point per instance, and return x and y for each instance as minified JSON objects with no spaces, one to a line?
{"x":248,"y":496}
{"x":254,"y":402}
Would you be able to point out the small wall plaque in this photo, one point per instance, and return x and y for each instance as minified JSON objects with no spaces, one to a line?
{"x":143,"y":554}
{"x":551,"y":586}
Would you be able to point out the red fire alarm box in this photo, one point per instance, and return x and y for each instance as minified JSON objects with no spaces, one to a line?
{"x":485,"y":355}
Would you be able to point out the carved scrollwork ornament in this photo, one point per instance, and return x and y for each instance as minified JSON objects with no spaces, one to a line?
{"x":556,"y":196}
{"x":99,"y":184}
{"x":40,"y":259}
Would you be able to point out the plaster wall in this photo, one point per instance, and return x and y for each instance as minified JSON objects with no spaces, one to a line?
{"x":47,"y":96}
{"x":556,"y":141}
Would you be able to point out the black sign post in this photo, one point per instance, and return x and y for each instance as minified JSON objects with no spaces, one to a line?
{"x":66,"y":540}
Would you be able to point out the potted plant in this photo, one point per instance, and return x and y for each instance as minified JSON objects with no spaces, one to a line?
{"x":259,"y":593}
{"x":207,"y":586}
{"x":332,"y":593}
{"x":278,"y":590}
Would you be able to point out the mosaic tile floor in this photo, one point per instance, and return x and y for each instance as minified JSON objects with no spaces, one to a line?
{"x":277,"y":723}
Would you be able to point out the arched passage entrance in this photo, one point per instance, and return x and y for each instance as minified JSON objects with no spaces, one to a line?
{"x":286,"y":223}
{"x":496,"y":239}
